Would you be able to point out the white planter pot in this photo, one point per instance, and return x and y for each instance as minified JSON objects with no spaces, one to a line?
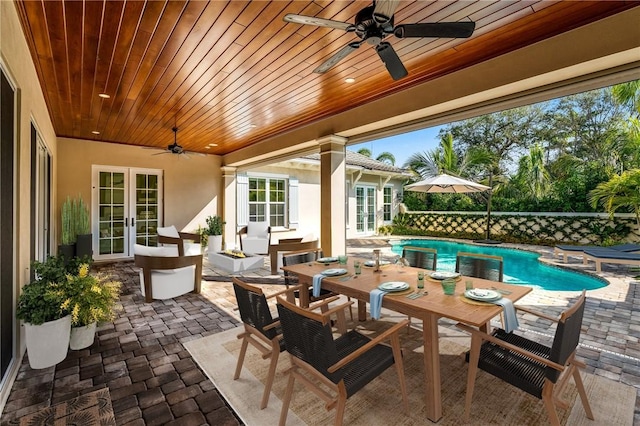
{"x":82,"y":337}
{"x":47,"y":343}
{"x":214,"y":244}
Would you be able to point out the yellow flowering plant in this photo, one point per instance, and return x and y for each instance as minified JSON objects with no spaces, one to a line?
{"x":90,"y":297}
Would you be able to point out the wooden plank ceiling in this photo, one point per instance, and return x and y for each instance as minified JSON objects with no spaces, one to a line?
{"x":232,"y":73}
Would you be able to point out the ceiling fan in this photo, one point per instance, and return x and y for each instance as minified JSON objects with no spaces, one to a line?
{"x":373,"y":24}
{"x":174,"y":148}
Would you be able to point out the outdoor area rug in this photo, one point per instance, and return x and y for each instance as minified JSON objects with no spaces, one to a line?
{"x":93,"y":408}
{"x":379,"y":403}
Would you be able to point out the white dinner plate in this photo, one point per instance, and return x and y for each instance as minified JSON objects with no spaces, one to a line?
{"x":443,"y":275}
{"x":392,"y":286}
{"x":372,"y":263}
{"x":334,"y":272}
{"x":483,"y":295}
{"x":327,"y":259}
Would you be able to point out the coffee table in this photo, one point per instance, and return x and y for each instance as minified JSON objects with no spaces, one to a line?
{"x":236,"y":265}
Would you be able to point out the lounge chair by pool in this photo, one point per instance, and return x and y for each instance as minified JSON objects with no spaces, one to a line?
{"x":603,"y":255}
{"x":564,"y":250}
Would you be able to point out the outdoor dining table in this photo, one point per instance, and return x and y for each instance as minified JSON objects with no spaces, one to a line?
{"x":430,"y":307}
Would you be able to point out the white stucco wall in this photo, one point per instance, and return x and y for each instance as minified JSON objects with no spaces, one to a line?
{"x":192,"y":186}
{"x":309,"y":199}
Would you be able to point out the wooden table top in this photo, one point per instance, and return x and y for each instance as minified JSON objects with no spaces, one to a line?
{"x":435,"y":302}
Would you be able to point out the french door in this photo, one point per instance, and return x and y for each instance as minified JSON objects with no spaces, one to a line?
{"x":7,"y":227}
{"x":365,"y":209}
{"x":126,"y":209}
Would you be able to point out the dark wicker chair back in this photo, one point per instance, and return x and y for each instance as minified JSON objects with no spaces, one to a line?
{"x":253,"y":308}
{"x":309,"y":340}
{"x":297,"y":258}
{"x":480,"y":266}
{"x":567,"y":337}
{"x":421,"y":257}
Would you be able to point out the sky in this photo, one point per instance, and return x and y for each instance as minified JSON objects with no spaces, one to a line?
{"x":404,"y":145}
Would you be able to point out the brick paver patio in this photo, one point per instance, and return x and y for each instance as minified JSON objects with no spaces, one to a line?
{"x":153,"y":380}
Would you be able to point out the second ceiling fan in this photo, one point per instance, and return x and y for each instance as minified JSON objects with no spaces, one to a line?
{"x":373,"y":24}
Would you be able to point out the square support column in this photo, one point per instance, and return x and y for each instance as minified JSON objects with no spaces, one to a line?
{"x":229,"y":206}
{"x":333,"y":195}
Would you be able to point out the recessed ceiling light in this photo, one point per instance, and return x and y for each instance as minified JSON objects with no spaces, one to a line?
{"x":213,"y":144}
{"x":253,"y":126}
{"x":95,"y":132}
{"x":104,"y":95}
{"x":350,"y":80}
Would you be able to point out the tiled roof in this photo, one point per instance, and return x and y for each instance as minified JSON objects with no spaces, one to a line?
{"x":355,"y":159}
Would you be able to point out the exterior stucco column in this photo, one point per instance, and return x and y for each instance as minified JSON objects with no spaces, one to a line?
{"x":229,"y":205}
{"x":332,"y":195}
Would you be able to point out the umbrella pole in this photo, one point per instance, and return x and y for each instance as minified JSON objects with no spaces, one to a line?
{"x":489,"y":212}
{"x":488,"y":239}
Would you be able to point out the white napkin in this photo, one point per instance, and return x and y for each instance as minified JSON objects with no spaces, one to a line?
{"x":317,"y":284}
{"x":510,"y":317}
{"x":375,"y":302}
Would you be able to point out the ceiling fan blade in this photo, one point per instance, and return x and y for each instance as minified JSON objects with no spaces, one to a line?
{"x":318,"y":22}
{"x":435,"y":30}
{"x":337,"y":57}
{"x":391,"y":61}
{"x":384,"y":9}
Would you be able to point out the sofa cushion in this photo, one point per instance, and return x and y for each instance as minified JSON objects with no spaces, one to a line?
{"x":167,"y":251}
{"x":258,"y":229}
{"x":168,"y":231}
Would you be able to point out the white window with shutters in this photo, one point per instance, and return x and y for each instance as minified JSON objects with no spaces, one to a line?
{"x":271,"y":198}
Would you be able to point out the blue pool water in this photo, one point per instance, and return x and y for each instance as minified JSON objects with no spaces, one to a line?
{"x":520,"y":267}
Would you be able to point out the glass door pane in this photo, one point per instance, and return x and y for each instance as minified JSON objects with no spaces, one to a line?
{"x":371,"y":210}
{"x":146,"y":208}
{"x":112,"y":219}
{"x":360,"y":209}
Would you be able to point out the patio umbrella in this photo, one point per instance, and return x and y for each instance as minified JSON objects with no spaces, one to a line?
{"x":445,"y":183}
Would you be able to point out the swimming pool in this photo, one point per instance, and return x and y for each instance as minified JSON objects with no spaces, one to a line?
{"x":520,"y":267}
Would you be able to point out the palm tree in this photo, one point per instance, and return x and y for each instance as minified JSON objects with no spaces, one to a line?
{"x":386,"y":157}
{"x":440,"y":160}
{"x":532,"y":175}
{"x":365,"y":151}
{"x":620,"y":192}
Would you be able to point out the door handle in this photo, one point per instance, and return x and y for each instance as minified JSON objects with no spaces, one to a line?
{"x":133,"y":221}
{"x":126,"y":222}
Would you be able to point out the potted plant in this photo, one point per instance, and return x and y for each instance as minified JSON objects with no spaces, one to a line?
{"x":67,"y":247}
{"x":91,"y":298}
{"x":214,"y":233}
{"x":47,"y":321}
{"x":83,"y":229}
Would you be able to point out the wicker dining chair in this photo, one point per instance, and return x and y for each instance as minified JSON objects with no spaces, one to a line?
{"x":421,"y":257}
{"x":290,"y":279}
{"x":480,"y":266}
{"x":261,"y":330}
{"x":295,"y":258}
{"x":537,"y":369}
{"x":343,"y":366}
